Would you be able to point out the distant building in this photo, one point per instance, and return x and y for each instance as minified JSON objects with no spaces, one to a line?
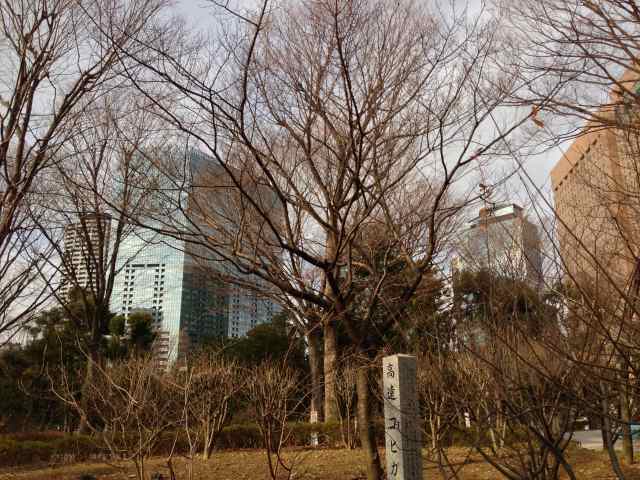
{"x":86,"y":247}
{"x":190,"y":300}
{"x":596,"y":191}
{"x":502,"y":241}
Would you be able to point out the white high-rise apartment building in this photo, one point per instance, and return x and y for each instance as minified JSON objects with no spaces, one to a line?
{"x":86,"y":249}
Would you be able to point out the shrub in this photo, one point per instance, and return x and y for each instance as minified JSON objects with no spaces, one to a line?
{"x":36,"y":436}
{"x":14,"y":453}
{"x":47,"y":447}
{"x":16,"y":450}
{"x":240,"y":436}
{"x":78,"y":448}
{"x":248,"y":435}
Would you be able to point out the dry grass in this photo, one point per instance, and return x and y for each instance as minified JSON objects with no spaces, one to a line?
{"x":323,"y":464}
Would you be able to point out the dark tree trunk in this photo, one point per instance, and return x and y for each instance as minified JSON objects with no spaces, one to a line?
{"x":93,"y":357}
{"x":625,"y":417}
{"x":607,"y":434}
{"x":365,"y":425}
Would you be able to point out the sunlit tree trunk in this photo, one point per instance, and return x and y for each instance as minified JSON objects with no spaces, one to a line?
{"x":316,"y":367}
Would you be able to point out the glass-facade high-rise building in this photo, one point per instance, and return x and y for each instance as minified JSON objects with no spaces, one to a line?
{"x":150,"y":278}
{"x":188,"y":299}
{"x":501,"y":240}
{"x":504,"y":243}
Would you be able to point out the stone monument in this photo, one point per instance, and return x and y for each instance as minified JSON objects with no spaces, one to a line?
{"x":314,"y":435}
{"x":402,"y":418}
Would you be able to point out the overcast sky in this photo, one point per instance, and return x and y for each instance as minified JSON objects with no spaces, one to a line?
{"x":200,"y":14}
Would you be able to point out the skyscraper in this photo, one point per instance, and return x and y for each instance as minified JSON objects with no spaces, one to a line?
{"x":502,"y":243}
{"x":86,"y":246}
{"x":190,"y":299}
{"x":501,"y":240}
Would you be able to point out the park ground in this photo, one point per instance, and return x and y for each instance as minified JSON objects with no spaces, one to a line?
{"x":322,"y":464}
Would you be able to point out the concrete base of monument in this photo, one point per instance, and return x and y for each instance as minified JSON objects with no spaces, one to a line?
{"x":592,"y":440}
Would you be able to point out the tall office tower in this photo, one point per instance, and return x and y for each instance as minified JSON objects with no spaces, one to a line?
{"x":189,"y":297}
{"x":86,"y":246}
{"x":501,"y":240}
{"x":596,"y":191}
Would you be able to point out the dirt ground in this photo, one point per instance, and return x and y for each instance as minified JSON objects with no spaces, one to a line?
{"x":323,"y":464}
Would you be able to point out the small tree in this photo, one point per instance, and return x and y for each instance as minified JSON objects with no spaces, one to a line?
{"x":516,"y":393}
{"x":271,"y":392}
{"x":346,"y":400}
{"x":435,"y":387}
{"x":212,"y":385}
{"x":130,"y":405}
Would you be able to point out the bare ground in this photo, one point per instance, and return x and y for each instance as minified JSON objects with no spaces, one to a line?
{"x":322,"y":464}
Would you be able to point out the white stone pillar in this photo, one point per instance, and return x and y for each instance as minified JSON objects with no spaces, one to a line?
{"x":402,"y":418}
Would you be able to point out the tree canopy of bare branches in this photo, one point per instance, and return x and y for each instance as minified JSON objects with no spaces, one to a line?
{"x":56,"y":56}
{"x":320,"y":119}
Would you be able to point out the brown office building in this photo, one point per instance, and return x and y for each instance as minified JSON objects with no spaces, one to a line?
{"x":595,"y":187}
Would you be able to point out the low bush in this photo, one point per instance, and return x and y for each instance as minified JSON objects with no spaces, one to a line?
{"x":298,"y":435}
{"x":36,"y":436}
{"x":13,"y":452}
{"x":236,"y":436}
{"x":247,"y":436}
{"x":58,"y":447}
{"x":16,"y":450}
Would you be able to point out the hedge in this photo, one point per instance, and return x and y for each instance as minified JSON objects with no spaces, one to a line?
{"x":248,"y":436}
{"x":298,"y":435}
{"x":48,"y":449}
{"x":58,"y":447}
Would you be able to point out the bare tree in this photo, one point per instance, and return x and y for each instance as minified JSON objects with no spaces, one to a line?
{"x":92,"y":195}
{"x":271,"y":391}
{"x":214,"y":384}
{"x":346,"y":398}
{"x":56,"y":54}
{"x":128,"y":407}
{"x":320,"y":117}
{"x":435,"y":388}
{"x":519,"y":395}
{"x":591,"y":48}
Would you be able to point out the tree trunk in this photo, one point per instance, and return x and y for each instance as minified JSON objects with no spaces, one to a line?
{"x":625,"y":417}
{"x":315,"y":364}
{"x":366,"y":427}
{"x":433,"y":428}
{"x":92,"y":360}
{"x":607,"y":433}
{"x":207,"y":448}
{"x":330,"y":370}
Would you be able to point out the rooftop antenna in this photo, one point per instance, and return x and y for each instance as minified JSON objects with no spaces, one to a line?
{"x":486,"y":191}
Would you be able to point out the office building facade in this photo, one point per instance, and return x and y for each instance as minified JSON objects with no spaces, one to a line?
{"x":596,"y":190}
{"x":189,"y":298}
